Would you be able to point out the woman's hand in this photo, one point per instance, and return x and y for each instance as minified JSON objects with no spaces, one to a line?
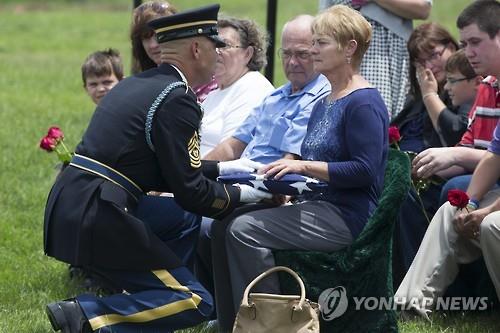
{"x":426,"y":80}
{"x":283,"y":166}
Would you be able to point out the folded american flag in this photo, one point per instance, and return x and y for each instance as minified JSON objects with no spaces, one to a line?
{"x":289,"y":184}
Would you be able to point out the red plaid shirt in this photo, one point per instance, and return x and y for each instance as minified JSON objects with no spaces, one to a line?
{"x":483,"y":116}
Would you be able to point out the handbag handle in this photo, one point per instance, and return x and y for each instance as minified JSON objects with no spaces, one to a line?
{"x":270,"y":271}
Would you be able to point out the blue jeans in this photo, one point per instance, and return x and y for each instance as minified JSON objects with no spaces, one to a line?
{"x":410,"y":229}
{"x":455,"y":183}
{"x":459,"y":183}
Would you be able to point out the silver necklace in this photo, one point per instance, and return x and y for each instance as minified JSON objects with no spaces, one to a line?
{"x":329,"y":104}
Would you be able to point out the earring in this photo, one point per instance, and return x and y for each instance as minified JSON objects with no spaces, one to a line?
{"x":348,"y":60}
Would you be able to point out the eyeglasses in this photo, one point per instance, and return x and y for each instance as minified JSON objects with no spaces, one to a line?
{"x":288,"y":54}
{"x":229,"y":46}
{"x":435,"y":55}
{"x":452,"y":81}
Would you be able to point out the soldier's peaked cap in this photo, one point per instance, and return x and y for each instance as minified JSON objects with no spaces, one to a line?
{"x":195,"y":22}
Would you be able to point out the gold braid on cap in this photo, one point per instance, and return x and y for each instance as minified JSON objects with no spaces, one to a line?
{"x":184,"y":25}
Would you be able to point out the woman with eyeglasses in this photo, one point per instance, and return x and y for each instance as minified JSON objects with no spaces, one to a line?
{"x":241,"y":86}
{"x":429,"y":118}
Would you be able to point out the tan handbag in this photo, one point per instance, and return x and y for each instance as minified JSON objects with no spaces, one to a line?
{"x":270,"y":313}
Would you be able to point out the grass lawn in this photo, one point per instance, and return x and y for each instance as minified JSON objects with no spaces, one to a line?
{"x":42,"y":45}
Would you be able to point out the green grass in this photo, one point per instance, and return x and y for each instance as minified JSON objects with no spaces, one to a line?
{"x":42,"y":45}
{"x":459,"y":322}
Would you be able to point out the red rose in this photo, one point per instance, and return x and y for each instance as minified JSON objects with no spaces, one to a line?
{"x":394,"y":135}
{"x":48,"y":143}
{"x":55,"y":133}
{"x":458,"y":198}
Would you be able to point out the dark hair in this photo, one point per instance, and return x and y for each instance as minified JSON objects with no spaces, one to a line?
{"x":100,"y":63}
{"x":484,"y":13}
{"x":458,"y":62}
{"x":423,"y":39}
{"x":250,"y":35}
{"x":140,"y":30}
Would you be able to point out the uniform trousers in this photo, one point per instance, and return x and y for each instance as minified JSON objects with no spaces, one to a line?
{"x":159,"y":300}
{"x":251,"y":237}
{"x":442,"y":250}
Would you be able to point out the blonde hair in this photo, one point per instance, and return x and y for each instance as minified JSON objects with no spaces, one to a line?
{"x":344,"y":24}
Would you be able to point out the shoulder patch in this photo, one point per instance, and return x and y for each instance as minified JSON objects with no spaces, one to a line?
{"x":194,"y":150}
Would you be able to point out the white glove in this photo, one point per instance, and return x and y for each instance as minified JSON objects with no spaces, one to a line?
{"x":248,"y":194}
{"x":240,"y":165}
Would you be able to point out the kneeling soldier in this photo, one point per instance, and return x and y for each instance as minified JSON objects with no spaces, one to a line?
{"x":143,"y":137}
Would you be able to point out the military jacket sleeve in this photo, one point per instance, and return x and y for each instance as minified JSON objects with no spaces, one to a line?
{"x":177,"y":145}
{"x":210,"y":168}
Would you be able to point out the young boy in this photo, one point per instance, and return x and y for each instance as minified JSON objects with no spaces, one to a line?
{"x":101,"y":71}
{"x":461,"y":80}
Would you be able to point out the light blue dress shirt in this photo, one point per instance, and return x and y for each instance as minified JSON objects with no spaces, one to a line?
{"x":278,"y":125}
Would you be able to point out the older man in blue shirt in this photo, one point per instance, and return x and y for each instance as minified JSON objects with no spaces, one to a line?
{"x":275,"y":129}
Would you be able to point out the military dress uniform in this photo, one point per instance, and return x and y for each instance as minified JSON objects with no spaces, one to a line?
{"x":143,"y":136}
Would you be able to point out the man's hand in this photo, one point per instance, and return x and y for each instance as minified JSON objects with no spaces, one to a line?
{"x":467,"y":224}
{"x":249,"y":194}
{"x":465,"y":230}
{"x":431,"y":161}
{"x":240,"y":165}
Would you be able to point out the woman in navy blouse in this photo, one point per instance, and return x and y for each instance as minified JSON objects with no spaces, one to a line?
{"x":345,"y":145}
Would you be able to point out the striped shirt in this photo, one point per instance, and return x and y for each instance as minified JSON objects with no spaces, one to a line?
{"x":483,"y":116}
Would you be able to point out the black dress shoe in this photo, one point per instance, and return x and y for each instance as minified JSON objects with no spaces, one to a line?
{"x":68,"y":317}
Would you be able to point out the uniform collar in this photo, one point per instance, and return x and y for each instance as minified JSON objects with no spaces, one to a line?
{"x":166,"y":67}
{"x":183,"y":77}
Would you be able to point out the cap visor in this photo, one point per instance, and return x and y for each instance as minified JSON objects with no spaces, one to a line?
{"x":217,"y":40}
